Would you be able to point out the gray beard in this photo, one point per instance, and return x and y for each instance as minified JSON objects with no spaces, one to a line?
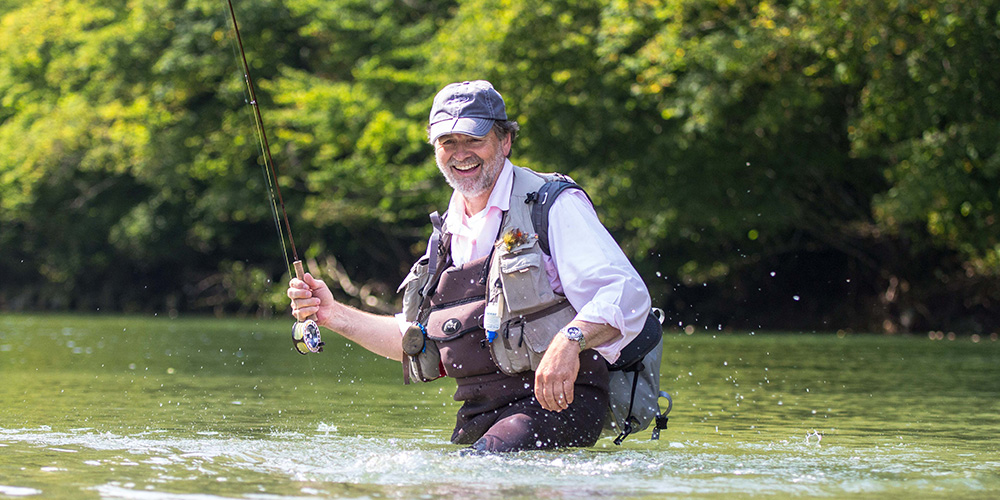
{"x":479,"y":185}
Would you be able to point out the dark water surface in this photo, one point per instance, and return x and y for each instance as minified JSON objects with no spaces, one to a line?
{"x":156,"y":408}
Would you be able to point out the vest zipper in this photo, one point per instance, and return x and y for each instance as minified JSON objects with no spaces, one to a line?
{"x":454,"y":335}
{"x":455,"y":303}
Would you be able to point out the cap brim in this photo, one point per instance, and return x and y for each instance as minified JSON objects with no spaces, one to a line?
{"x":476,"y":127}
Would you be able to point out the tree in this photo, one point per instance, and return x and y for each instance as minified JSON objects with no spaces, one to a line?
{"x":126,"y":150}
{"x":753,"y":149}
{"x":797,"y":164}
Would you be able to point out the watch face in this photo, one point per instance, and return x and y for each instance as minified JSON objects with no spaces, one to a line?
{"x":575,"y":334}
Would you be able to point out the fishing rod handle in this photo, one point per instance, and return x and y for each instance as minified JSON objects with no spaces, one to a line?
{"x":300,"y":274}
{"x":305,"y":334}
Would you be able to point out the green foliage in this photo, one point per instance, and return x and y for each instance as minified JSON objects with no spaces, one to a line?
{"x":121,"y":126}
{"x":930,"y":112}
{"x":849,"y":146}
{"x":723,"y":139}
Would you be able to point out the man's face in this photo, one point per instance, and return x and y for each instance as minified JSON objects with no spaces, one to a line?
{"x":470,"y":164}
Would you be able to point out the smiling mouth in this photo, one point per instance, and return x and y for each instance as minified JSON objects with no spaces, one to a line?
{"x":467,"y":167}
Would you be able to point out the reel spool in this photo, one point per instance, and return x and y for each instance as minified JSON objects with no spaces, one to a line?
{"x":305,"y":334}
{"x":306,"y":338}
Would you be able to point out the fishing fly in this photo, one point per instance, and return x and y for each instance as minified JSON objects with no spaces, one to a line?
{"x":305,"y":334}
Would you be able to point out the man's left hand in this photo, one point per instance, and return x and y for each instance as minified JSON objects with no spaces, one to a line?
{"x":557,"y":373}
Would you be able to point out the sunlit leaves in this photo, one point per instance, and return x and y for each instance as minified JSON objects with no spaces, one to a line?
{"x":713,"y":135}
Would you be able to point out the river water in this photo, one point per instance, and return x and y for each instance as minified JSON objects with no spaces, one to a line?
{"x":157,"y":408}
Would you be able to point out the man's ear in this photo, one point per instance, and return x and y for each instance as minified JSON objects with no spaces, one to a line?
{"x":505,"y":144}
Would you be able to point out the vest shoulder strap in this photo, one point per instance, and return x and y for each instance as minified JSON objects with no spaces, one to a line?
{"x":541,"y":203}
{"x":439,"y":258}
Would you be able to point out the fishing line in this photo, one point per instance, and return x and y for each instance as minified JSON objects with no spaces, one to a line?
{"x":305,"y":334}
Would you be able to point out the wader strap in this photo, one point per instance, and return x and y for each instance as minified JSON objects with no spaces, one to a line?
{"x":435,"y":243}
{"x":440,"y":259}
{"x":441,"y":262}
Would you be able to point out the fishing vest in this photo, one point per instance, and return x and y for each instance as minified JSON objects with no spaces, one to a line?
{"x":519,"y":301}
{"x":507,"y":296}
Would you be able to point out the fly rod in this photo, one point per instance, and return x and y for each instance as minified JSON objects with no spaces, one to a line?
{"x":305,"y":334}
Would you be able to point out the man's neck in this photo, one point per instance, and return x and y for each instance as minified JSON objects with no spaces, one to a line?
{"x":476,"y":204}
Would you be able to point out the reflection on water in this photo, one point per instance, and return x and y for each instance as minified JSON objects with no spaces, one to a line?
{"x":143,"y":408}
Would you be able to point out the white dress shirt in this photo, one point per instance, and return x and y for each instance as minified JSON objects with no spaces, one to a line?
{"x":586,"y":264}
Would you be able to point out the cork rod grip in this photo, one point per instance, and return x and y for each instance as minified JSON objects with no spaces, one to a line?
{"x":300,"y":274}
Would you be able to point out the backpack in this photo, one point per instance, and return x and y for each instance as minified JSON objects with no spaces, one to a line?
{"x":635,"y":376}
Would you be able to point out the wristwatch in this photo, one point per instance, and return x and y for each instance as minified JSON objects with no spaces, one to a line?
{"x":576,"y":335}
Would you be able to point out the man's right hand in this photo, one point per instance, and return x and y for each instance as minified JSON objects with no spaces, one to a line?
{"x":311,"y":296}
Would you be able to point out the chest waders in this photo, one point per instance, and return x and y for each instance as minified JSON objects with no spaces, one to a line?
{"x":499,"y":411}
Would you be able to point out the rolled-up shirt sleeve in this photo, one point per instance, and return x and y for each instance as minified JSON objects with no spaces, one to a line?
{"x":590,"y":268}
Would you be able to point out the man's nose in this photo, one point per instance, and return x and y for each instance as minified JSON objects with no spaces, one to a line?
{"x":462,"y":152}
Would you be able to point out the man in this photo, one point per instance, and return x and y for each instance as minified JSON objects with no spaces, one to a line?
{"x":470,"y":313}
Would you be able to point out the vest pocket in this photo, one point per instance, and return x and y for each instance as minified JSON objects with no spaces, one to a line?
{"x":424,"y":366}
{"x":454,"y":328}
{"x":525,"y":285}
{"x":522,"y":341}
{"x":511,"y":353}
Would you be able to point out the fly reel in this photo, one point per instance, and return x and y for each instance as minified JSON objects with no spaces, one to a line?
{"x":306,"y":337}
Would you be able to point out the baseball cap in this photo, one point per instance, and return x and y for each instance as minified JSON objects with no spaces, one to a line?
{"x":468,"y":108}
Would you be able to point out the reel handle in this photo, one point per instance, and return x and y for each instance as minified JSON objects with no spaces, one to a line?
{"x":305,"y":334}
